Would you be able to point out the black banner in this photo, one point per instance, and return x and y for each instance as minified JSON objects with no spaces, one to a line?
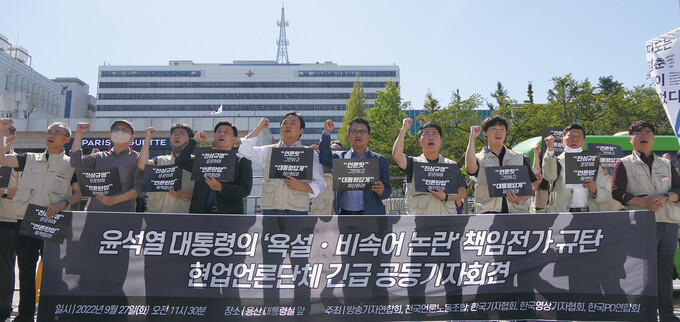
{"x":501,"y":179}
{"x":579,"y":167}
{"x":581,"y":266}
{"x":609,"y":153}
{"x":293,"y":162}
{"x":355,"y":174}
{"x":94,"y":182}
{"x":162,"y":178}
{"x":557,"y":133}
{"x":37,"y":225}
{"x":221,"y":164}
{"x":5,"y":176}
{"x":445,"y":176}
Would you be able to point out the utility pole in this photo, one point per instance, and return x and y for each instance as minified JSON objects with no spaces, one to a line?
{"x":282,"y":52}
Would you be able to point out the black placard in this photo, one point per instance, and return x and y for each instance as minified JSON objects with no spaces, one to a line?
{"x":37,"y":225}
{"x":5,"y":176}
{"x":557,"y":133}
{"x":609,"y":153}
{"x":579,"y":167}
{"x":441,"y":175}
{"x":98,"y":182}
{"x":162,"y":178}
{"x":355,"y":174}
{"x":292,"y":162}
{"x":501,"y":179}
{"x":220,"y":164}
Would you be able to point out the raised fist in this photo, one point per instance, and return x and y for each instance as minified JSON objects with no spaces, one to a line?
{"x":475,"y":131}
{"x":83,"y":127}
{"x":200,"y":136}
{"x":328,"y":126}
{"x":150,"y":132}
{"x":406,"y":123}
{"x":550,"y":143}
{"x":264,"y":123}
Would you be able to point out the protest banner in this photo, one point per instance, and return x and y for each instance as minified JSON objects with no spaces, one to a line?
{"x":94,"y":182}
{"x":579,"y":167}
{"x":661,"y":52}
{"x":566,"y":266}
{"x":445,"y":176}
{"x":609,"y":153}
{"x":355,"y":174}
{"x":221,"y":164}
{"x":291,"y":162}
{"x":162,"y":178}
{"x":501,"y":179}
{"x":36,"y":224}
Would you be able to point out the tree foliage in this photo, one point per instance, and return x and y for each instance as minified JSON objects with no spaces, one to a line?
{"x":356,"y":107}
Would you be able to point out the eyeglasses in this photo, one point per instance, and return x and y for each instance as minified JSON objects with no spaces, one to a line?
{"x":355,"y":132}
{"x":54,"y":133}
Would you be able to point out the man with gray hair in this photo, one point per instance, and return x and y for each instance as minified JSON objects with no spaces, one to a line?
{"x":47,"y":181}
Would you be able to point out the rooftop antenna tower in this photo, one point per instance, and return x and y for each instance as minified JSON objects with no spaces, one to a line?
{"x":282,"y":52}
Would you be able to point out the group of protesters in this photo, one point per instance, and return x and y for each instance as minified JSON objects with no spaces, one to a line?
{"x":641,"y":180}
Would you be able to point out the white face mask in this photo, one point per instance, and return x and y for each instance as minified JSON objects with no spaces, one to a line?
{"x":120,"y":137}
{"x":571,"y":150}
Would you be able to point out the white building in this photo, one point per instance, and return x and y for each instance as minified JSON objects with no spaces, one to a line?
{"x":25,"y":93}
{"x":253,"y":89}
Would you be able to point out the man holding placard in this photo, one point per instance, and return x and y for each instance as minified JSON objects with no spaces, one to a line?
{"x":47,"y":180}
{"x":285,"y":195}
{"x":357,"y":202}
{"x":566,"y":196}
{"x":361,"y":180}
{"x":433,"y":201}
{"x":121,"y":157}
{"x":642,"y":180}
{"x":211,"y":195}
{"x":505,"y":163}
{"x":171,"y":201}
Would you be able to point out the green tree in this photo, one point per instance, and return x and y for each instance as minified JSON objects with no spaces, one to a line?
{"x":501,"y":97}
{"x":385,"y":118}
{"x":356,"y":107}
{"x":530,"y":94}
{"x":562,"y":94}
{"x":431,"y":104}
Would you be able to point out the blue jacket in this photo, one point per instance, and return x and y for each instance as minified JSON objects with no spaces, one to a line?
{"x":372,"y":201}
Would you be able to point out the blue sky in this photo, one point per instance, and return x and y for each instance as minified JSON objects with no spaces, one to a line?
{"x":439,"y":45}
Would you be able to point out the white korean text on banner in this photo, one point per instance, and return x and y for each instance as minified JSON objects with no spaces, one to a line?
{"x":558,"y":133}
{"x":99,"y":182}
{"x":220,"y":164}
{"x":445,"y":176}
{"x":291,"y":162}
{"x":177,"y":267}
{"x":36,"y":224}
{"x":355,"y":174}
{"x":162,"y":178}
{"x":661,"y":52}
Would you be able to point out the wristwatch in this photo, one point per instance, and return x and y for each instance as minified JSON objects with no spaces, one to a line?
{"x":446,"y":198}
{"x":666,"y":195}
{"x":4,"y":193}
{"x":65,"y":201}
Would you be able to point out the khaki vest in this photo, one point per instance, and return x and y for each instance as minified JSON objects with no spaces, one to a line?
{"x":163,"y":202}
{"x":423,"y":203}
{"x":43,"y":182}
{"x":7,"y":213}
{"x":484,"y":203}
{"x":322,"y":205}
{"x":611,"y":204}
{"x":560,"y":195}
{"x":275,"y":193}
{"x":641,"y":181}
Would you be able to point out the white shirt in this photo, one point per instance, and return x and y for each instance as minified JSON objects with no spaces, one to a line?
{"x":259,"y":155}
